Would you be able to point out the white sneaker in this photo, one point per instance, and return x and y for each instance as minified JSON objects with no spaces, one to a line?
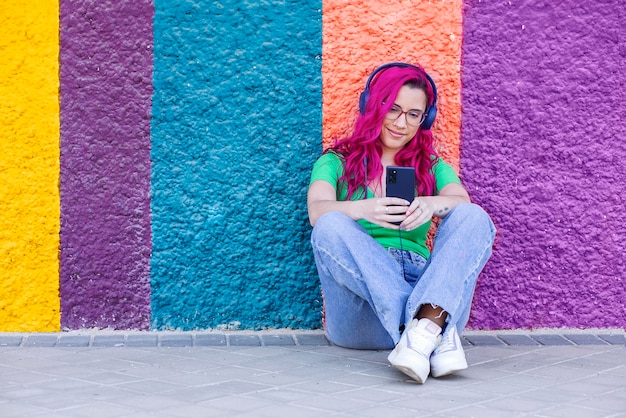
{"x":412,"y":353}
{"x":448,"y":356}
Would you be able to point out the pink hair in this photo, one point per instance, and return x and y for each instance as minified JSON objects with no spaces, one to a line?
{"x":362,"y":150}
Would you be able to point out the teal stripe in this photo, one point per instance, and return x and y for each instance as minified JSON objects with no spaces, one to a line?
{"x":236,"y":126}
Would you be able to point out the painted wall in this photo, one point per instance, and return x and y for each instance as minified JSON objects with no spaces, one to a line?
{"x":167,"y":189}
{"x":29,"y":166}
{"x":543,"y":150}
{"x":359,"y":38}
{"x":236,"y":126}
{"x":106,"y":88}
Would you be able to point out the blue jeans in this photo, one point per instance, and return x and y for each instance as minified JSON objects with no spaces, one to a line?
{"x":370,"y":292}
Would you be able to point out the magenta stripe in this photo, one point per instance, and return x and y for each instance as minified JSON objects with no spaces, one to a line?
{"x":106,"y":71}
{"x":543,"y":151}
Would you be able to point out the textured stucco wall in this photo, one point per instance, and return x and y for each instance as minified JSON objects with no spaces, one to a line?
{"x":106,"y":86}
{"x":543,"y":150}
{"x":176,"y":196}
{"x":236,"y":126}
{"x":29,"y":166}
{"x":360,"y":36}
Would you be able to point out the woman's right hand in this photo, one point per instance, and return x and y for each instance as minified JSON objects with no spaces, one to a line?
{"x":382,"y":211}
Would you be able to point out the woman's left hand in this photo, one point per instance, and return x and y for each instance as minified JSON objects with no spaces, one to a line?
{"x":422,"y":209}
{"x":420,"y":212}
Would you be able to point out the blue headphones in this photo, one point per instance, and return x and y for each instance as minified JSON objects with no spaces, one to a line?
{"x":431,"y":111}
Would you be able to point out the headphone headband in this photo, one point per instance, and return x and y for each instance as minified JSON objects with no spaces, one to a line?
{"x":431,"y":111}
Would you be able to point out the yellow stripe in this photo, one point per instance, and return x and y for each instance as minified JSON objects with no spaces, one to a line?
{"x":29,"y":166}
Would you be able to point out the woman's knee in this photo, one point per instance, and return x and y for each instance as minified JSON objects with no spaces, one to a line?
{"x":330,"y":224}
{"x":469,"y":210}
{"x":330,"y":218}
{"x":473,"y":214}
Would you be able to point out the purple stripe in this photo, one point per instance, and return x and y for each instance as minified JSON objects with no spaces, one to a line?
{"x":106,"y":71}
{"x":543,"y":152}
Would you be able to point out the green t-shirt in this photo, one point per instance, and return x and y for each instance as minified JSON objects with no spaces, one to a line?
{"x":329,"y":168}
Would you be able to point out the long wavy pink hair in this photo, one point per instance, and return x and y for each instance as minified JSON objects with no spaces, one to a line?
{"x":364,"y":144}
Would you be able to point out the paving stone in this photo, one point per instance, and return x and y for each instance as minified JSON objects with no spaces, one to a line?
{"x":312,"y":339}
{"x":551,"y":339}
{"x":483,"y":340}
{"x":279,"y":339}
{"x":74,"y":341}
{"x":244,"y":340}
{"x":41,"y":340}
{"x":613,"y":339}
{"x":141,"y":340}
{"x":513,"y":339}
{"x":108,"y":340}
{"x":176,"y":340}
{"x":204,"y":340}
{"x":10,"y":340}
{"x":585,"y":339}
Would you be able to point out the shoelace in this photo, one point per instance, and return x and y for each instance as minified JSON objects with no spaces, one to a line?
{"x":447,"y":342}
{"x":423,"y":347}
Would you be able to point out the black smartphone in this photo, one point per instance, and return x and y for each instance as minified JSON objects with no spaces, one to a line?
{"x":401,"y":182}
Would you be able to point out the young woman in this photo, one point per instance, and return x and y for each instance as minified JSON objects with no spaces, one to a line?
{"x":382,"y":287}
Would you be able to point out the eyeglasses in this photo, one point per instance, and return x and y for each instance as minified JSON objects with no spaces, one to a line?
{"x":413,"y":117}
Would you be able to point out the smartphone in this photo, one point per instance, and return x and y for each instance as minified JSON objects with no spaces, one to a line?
{"x":401,"y":182}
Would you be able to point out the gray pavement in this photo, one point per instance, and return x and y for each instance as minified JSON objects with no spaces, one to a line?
{"x":287,"y":373}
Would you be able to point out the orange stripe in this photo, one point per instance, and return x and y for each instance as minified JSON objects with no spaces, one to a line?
{"x":359,"y":37}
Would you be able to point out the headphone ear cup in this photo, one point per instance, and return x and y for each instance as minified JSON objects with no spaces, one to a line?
{"x":431,"y":114}
{"x":363,"y":101}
